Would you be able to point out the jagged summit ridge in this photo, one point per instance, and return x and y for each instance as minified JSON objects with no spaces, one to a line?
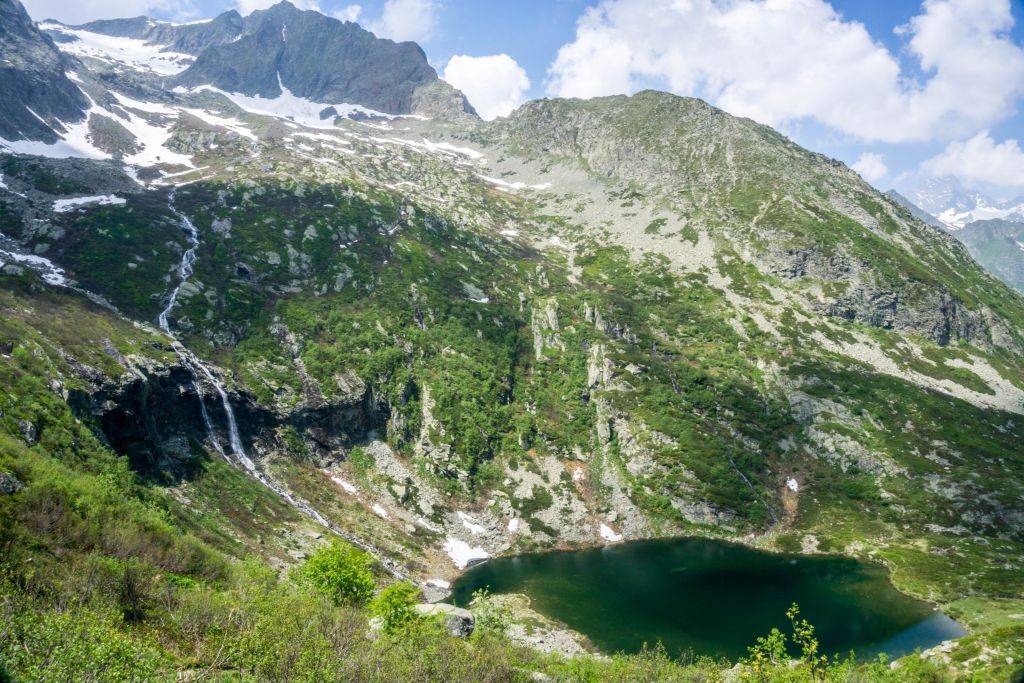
{"x":315,"y":57}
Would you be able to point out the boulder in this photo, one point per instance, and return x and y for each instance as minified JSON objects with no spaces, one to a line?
{"x":9,"y":484}
{"x":28,"y":432}
{"x":458,"y":621}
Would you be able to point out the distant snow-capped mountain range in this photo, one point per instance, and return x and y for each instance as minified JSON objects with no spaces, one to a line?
{"x":956,"y":206}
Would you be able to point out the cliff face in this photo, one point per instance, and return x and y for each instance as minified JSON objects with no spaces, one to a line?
{"x":165,"y":417}
{"x":38,"y":97}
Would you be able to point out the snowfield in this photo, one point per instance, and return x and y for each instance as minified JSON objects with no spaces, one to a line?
{"x":287,"y":105}
{"x":65,"y":205}
{"x":462,"y":554}
{"x":130,"y":52}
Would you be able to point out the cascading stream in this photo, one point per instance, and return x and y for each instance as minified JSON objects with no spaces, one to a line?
{"x":238,"y":455}
{"x":185,"y":268}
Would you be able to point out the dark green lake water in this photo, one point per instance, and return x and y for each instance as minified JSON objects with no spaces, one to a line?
{"x":712,"y":598}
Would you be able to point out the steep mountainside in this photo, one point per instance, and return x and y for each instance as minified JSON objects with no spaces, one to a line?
{"x":915,"y":210}
{"x":38,"y":98}
{"x":314,"y":57}
{"x":243,"y":327}
{"x":999,"y":246}
{"x":846,"y":249}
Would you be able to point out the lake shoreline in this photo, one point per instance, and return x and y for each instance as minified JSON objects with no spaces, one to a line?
{"x":869,"y":572}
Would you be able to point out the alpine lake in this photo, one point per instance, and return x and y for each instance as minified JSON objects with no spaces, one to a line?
{"x":708,"y":597}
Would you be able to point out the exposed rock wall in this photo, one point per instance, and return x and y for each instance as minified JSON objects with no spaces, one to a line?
{"x":153,"y":416}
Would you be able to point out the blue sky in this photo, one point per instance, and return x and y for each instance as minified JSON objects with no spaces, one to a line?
{"x":898,"y":89}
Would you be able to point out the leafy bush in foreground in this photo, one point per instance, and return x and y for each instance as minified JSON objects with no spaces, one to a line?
{"x":339,"y":571}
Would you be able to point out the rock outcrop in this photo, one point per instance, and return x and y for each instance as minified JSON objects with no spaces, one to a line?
{"x":154,"y":415}
{"x":457,"y":621}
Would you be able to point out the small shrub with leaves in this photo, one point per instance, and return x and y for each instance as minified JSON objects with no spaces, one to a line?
{"x":339,"y":571}
{"x":394,"y":605}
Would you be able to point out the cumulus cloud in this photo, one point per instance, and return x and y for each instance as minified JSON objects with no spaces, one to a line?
{"x":779,"y":61}
{"x":406,"y":20}
{"x":494,"y":84}
{"x":871,"y":167}
{"x":348,"y":13}
{"x":82,"y":11}
{"x":980,"y":159}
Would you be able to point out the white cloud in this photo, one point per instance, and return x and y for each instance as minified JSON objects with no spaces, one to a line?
{"x":348,"y":13}
{"x":495,"y":84}
{"x":250,"y":6}
{"x":980,"y":160}
{"x":871,"y":167}
{"x":82,"y":11}
{"x":406,"y":20}
{"x":779,"y":61}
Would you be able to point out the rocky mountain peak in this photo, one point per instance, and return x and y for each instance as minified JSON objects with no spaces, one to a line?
{"x":318,"y":58}
{"x":313,"y":56}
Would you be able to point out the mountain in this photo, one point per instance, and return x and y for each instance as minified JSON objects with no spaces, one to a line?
{"x":284,"y":51}
{"x":236,"y":328}
{"x":999,"y":246}
{"x":916,"y":211}
{"x":990,"y":230}
{"x":190,"y":38}
{"x":38,"y":98}
{"x":955,"y":206}
{"x":784,"y":205}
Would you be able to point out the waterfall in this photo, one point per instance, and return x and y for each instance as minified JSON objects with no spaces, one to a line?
{"x":206,"y":419}
{"x":185,"y":268}
{"x":238,"y":455}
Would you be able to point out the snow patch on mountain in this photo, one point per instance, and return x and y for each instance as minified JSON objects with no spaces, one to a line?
{"x":289,"y":106}
{"x":462,"y":553}
{"x":232,"y":124}
{"x":47,"y":269}
{"x":505,"y":185}
{"x":982,"y":212}
{"x":74,"y":142}
{"x":76,"y":139}
{"x":129,"y":52}
{"x":151,"y":137}
{"x":65,"y":205}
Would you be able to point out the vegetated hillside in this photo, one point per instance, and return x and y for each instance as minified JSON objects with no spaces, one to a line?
{"x":997,"y":245}
{"x":443,"y":340}
{"x":805,"y":219}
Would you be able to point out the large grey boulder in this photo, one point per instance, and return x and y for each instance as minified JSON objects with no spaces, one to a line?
{"x":459,"y":622}
{"x":9,"y":484}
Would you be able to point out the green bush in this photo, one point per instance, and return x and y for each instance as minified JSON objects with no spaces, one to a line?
{"x":394,"y":605}
{"x":80,"y":645}
{"x":339,"y":571}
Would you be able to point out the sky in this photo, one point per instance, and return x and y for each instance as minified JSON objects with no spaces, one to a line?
{"x":900,"y":90}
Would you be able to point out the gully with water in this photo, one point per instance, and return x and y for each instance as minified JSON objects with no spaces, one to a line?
{"x":237,"y":455}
